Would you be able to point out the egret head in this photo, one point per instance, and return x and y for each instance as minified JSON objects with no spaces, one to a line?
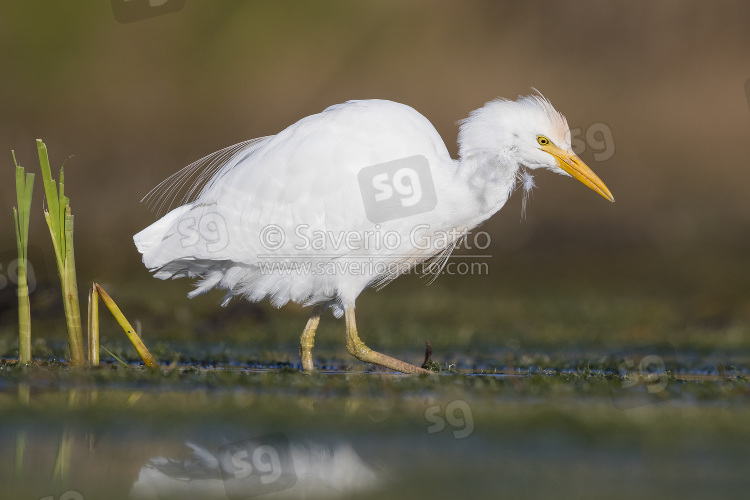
{"x":532,"y":132}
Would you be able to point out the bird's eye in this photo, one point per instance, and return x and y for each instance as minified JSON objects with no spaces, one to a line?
{"x":543,"y":141}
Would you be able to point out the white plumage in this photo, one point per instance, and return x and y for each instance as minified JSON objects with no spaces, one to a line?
{"x":315,"y":471}
{"x":261,"y":201}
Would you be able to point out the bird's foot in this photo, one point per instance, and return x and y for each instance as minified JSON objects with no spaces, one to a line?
{"x":359,"y":350}
{"x":363,"y":353}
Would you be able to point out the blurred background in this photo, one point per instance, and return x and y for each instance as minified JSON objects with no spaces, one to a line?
{"x":128,"y":104}
{"x":656,"y":94}
{"x":655,"y":91}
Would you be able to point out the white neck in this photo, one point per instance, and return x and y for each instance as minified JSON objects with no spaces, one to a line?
{"x":482,"y":183}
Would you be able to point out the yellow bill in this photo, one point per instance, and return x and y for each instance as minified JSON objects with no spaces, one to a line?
{"x":569,"y":161}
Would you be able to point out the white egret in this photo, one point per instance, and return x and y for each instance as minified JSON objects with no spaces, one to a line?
{"x":347,"y":199}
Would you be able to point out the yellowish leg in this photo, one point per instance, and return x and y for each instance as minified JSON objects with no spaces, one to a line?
{"x":307,"y":340}
{"x":359,"y":350}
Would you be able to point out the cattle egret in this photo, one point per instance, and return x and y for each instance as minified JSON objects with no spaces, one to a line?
{"x":347,"y":199}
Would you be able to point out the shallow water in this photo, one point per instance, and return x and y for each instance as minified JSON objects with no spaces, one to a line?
{"x":244,"y":431}
{"x":616,"y":390}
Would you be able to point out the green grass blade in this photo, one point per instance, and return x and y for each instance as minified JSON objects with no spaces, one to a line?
{"x":64,"y":203}
{"x":117,"y":358}
{"x":55,"y":246}
{"x":28,"y":193}
{"x":50,"y":191}
{"x":20,"y":191}
{"x":17,"y":224}
{"x":70,"y":292}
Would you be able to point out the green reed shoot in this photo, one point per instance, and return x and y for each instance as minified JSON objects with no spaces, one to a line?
{"x":24,"y":191}
{"x":60,"y":222}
